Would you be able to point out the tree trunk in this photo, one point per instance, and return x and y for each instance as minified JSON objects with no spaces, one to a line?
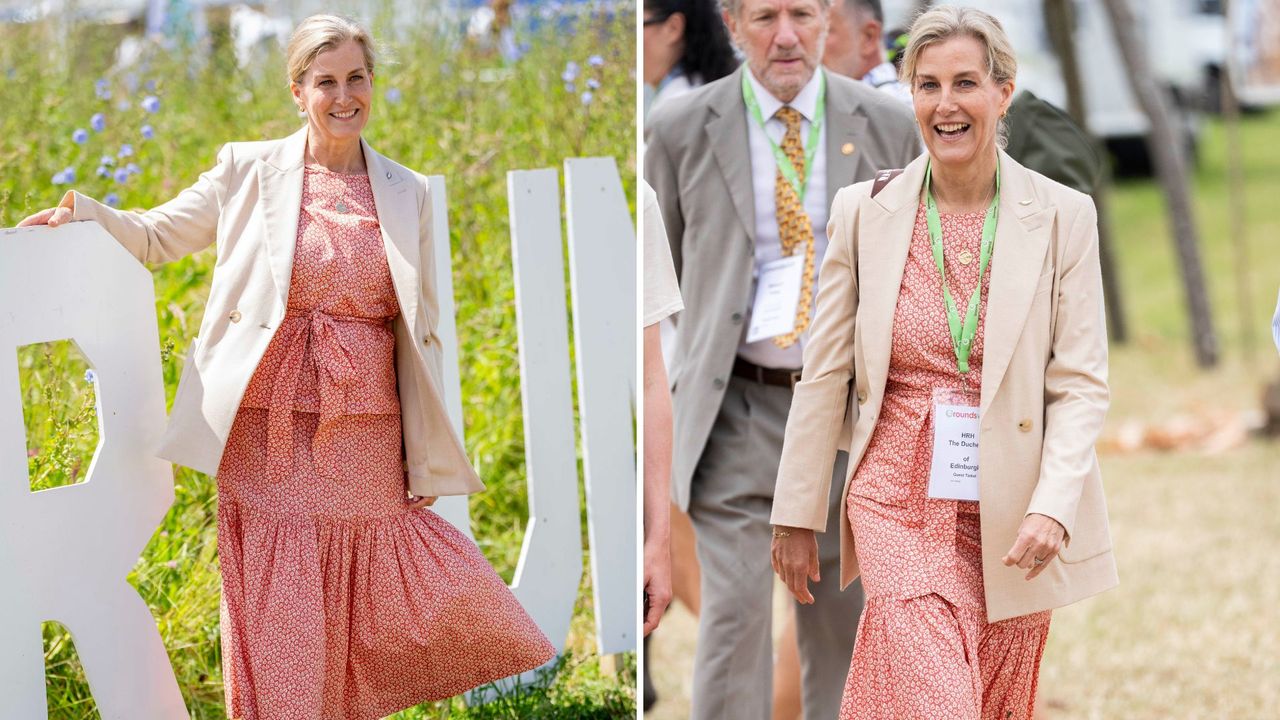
{"x":1165,"y":146}
{"x":1059,"y":17}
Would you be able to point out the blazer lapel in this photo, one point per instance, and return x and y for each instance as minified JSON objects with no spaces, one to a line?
{"x":280,"y":190}
{"x":396,"y":204}
{"x":1022,"y":237}
{"x":845,"y":130}
{"x":728,"y":140}
{"x":884,"y":236}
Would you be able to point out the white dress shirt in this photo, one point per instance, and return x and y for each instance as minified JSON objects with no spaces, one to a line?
{"x":764,"y":172}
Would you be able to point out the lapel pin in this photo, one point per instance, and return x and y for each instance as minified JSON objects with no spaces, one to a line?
{"x":1024,"y":202}
{"x":388,"y":175}
{"x":847,"y":148}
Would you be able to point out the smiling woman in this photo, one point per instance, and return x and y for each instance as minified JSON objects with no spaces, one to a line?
{"x":977,"y":305}
{"x":311,"y":394}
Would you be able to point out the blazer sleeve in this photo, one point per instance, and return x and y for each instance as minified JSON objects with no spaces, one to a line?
{"x":186,"y":224}
{"x":1075,"y":383}
{"x":428,"y":280}
{"x":660,"y":173}
{"x":819,"y":403}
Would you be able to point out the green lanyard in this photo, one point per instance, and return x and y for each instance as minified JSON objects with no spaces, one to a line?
{"x":961,"y":335}
{"x":811,"y":147}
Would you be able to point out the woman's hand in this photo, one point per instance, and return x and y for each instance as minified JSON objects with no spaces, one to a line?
{"x":54,"y":216}
{"x":1039,"y":539}
{"x":795,"y":560}
{"x":416,"y":502}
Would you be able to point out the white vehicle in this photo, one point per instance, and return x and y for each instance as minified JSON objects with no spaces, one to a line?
{"x":1185,"y":46}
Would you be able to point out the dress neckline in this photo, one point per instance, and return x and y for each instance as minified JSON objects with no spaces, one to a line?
{"x":317,"y":167}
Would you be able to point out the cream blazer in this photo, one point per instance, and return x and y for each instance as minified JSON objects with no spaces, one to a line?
{"x":249,"y":205}
{"x":1044,"y":387}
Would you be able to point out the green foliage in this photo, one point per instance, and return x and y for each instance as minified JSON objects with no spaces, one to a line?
{"x":460,"y":114}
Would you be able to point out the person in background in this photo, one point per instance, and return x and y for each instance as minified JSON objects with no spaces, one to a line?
{"x":661,"y":300}
{"x":745,"y":169}
{"x":855,"y":47}
{"x":685,"y":45}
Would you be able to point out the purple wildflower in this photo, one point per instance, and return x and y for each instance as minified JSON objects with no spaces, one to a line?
{"x":102,"y":171}
{"x":148,"y":132}
{"x":121,"y":175}
{"x":570,"y":72}
{"x":80,"y":136}
{"x":586,"y":97}
{"x":90,"y":375}
{"x":393,"y":95}
{"x":112,"y":199}
{"x":593,"y":83}
{"x":595,"y":61}
{"x":151,"y":104}
{"x":98,"y":122}
{"x":126,"y":150}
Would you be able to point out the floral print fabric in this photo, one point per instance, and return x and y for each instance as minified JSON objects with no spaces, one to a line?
{"x":924,"y":647}
{"x":339,"y":602}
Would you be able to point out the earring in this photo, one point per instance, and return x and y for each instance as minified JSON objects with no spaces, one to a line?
{"x":302,"y":112}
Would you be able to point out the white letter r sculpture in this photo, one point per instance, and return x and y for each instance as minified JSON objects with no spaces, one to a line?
{"x":65,"y":552}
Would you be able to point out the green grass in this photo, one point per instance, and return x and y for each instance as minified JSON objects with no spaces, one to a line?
{"x":450,"y":121}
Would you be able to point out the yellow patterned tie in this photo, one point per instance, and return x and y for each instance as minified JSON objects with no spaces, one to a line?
{"x":794,"y":227}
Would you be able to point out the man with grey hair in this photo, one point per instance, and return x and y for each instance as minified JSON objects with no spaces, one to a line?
{"x":855,"y":47}
{"x":745,"y":169}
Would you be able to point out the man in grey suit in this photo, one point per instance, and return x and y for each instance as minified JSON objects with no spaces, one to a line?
{"x":745,"y":169}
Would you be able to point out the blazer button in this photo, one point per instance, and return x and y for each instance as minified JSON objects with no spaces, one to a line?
{"x":736,"y":318}
{"x":1025,"y":425}
{"x":426,"y":339}
{"x":234,"y":316}
{"x":862,"y":396}
{"x":718,"y":383}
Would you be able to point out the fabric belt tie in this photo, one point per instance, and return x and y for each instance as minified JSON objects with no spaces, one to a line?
{"x":336,"y":376}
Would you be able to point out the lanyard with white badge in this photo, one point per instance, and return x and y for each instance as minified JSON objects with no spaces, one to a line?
{"x":954,"y":475}
{"x":778,"y":285}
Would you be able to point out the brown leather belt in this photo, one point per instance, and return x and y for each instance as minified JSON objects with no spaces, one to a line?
{"x":764,"y":375}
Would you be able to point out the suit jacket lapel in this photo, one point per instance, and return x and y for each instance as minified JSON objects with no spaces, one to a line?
{"x":729,"y":143}
{"x":280,"y":190}
{"x":1022,"y":237}
{"x":884,"y":237}
{"x":396,"y":203}
{"x":845,"y":127}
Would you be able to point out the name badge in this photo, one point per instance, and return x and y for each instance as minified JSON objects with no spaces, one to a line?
{"x":777,"y":296}
{"x":954,"y":475}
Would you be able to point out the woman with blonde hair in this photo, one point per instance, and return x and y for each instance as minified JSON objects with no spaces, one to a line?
{"x":313,"y":393}
{"x":959,"y":354}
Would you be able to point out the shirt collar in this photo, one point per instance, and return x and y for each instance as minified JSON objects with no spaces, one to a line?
{"x":806,"y":101}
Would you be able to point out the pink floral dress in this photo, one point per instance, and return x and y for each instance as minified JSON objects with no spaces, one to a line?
{"x":339,"y":602}
{"x":924,"y":646}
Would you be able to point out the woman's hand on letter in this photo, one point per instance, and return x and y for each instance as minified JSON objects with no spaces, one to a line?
{"x":795,"y":560}
{"x":54,"y":216}
{"x":1039,"y":539}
